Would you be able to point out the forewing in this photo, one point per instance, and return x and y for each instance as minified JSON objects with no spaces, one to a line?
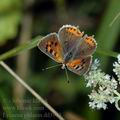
{"x":69,"y":37}
{"x":51,"y":46}
{"x":79,"y":66}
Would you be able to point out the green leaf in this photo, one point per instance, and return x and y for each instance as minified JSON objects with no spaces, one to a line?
{"x":107,"y":35}
{"x":8,"y":5}
{"x":9,"y":25}
{"x":10,"y":16}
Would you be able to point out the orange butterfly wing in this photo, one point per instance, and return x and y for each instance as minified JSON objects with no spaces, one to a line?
{"x":79,"y":66}
{"x":51,"y":47}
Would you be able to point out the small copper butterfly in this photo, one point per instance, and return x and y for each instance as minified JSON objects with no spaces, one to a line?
{"x":70,"y":47}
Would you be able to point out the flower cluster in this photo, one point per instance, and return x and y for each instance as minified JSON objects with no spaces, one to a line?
{"x":103,"y":85}
{"x":117,"y":68}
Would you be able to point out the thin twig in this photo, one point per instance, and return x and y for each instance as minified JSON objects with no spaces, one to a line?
{"x":115,"y":18}
{"x":31,"y":90}
{"x":24,"y":47}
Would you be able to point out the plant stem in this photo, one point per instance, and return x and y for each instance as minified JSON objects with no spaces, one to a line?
{"x":27,"y":46}
{"x":21,"y":81}
{"x":117,"y":93}
{"x":107,"y":53}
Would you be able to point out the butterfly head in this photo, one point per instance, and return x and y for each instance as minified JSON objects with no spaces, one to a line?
{"x":63,"y":66}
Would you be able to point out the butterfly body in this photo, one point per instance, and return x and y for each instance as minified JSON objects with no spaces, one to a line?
{"x":70,"y":47}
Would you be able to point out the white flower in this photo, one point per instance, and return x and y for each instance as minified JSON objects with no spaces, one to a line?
{"x":117,"y":68}
{"x":103,"y":87}
{"x":95,"y":65}
{"x":97,"y":100}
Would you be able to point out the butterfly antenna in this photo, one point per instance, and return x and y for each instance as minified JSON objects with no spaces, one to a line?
{"x":51,"y":67}
{"x":67,"y":75}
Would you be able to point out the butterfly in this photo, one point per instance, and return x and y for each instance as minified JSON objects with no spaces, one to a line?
{"x":70,"y":47}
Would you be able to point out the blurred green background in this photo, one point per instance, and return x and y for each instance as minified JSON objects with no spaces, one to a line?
{"x":22,"y":20}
